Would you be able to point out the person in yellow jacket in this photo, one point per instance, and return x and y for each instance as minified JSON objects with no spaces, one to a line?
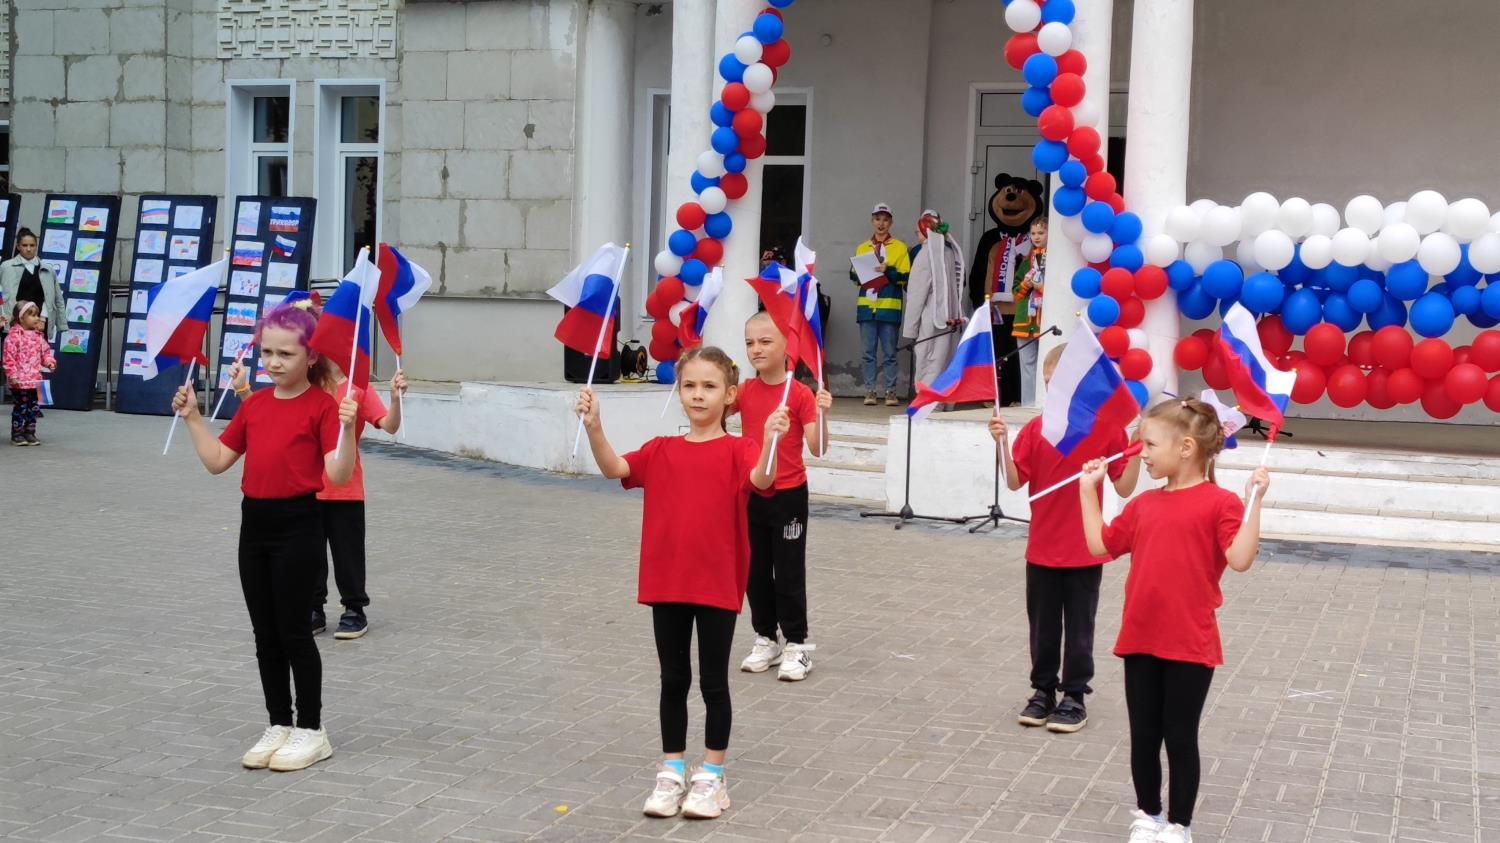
{"x":879,"y":310}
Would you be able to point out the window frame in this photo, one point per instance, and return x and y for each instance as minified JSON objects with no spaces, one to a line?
{"x":802,"y":97}
{"x":329,"y":155}
{"x":242,"y":154}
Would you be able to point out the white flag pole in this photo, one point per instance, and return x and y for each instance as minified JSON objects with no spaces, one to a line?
{"x":223,"y":276}
{"x":822,"y":434}
{"x":671,"y":390}
{"x":359,"y":312}
{"x":995,"y":365}
{"x":187,"y":382}
{"x":224,"y":393}
{"x":1255,"y":492}
{"x":786,"y":391}
{"x":614,"y":291}
{"x":1131,"y":451}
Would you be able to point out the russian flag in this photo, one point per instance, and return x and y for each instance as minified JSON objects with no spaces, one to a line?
{"x":1087,"y":395}
{"x":970,"y":376}
{"x":811,"y":303}
{"x":345,"y":323}
{"x":778,"y":288}
{"x":591,"y":292}
{"x":402,"y":284}
{"x":177,"y":314}
{"x":283,"y":246}
{"x":1261,"y":389}
{"x":695,"y":316}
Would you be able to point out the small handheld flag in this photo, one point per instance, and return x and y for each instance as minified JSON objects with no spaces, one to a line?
{"x":777,"y":287}
{"x":344,"y":327}
{"x":402,"y":284}
{"x":1087,"y":397}
{"x":1261,"y":389}
{"x":177,"y":314}
{"x":591,"y":292}
{"x":694,"y":317}
{"x":970,"y":375}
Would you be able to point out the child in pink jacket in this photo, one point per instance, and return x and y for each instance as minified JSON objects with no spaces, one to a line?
{"x":27,"y":355}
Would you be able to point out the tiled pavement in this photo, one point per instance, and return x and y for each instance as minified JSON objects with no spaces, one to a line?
{"x":508,"y":687}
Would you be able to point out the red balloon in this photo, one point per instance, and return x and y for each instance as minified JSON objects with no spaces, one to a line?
{"x":1461,"y":354}
{"x":748,"y":122}
{"x":753,"y":146}
{"x":1378,"y":391}
{"x":1117,"y":283}
{"x":1492,"y":395}
{"x":670,"y":291}
{"x":1117,"y":202}
{"x":690,"y":216}
{"x":1311,"y":380}
{"x":1082,"y":143}
{"x":776,"y":54}
{"x":1132,"y":312}
{"x":1486,"y":351}
{"x":1437,"y":403}
{"x":1191,"y":353}
{"x":1405,"y":386}
{"x":1362,"y":349}
{"x":1056,"y":122}
{"x":1465,"y":383}
{"x":734,"y":185}
{"x":1093,"y":163}
{"x":1274,"y":337}
{"x":1324,"y":344}
{"x":1099,"y":186}
{"x":1115,"y":341}
{"x":1136,"y":364}
{"x":1150,"y":282}
{"x":710,"y":251}
{"x":1101,"y":267}
{"x":1072,"y":62}
{"x":1021,"y":47}
{"x":1392,"y":348}
{"x":1214,"y":374}
{"x":663,"y":332}
{"x":1067,"y":89}
{"x":772,"y":10}
{"x":658,"y":305}
{"x":1432,"y":358}
{"x":1207,"y":335}
{"x":736,"y":96}
{"x":1346,"y":386}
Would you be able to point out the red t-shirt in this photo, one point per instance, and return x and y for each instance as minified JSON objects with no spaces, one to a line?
{"x":1055,"y":539}
{"x":695,"y":543}
{"x":371,"y":411}
{"x":757,"y":401}
{"x":1176,"y":541}
{"x":284,"y":441}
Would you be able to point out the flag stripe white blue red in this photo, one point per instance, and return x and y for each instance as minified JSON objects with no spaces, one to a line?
{"x":590,"y":292}
{"x":694,"y":317}
{"x":177,"y":314}
{"x":1087,"y":395}
{"x":970,"y":375}
{"x":810,"y":301}
{"x":284,"y":246}
{"x":777,"y":287}
{"x":1261,"y":389}
{"x":345,"y":323}
{"x":401,"y":286}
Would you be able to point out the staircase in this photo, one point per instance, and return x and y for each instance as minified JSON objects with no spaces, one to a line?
{"x":854,"y":466}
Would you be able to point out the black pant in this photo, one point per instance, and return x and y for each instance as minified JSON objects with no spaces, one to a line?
{"x":281,"y":547}
{"x":673,"y":624}
{"x":777,"y":590}
{"x":344,"y":522}
{"x":1165,"y":701}
{"x":1061,"y":603}
{"x":1010,"y":368}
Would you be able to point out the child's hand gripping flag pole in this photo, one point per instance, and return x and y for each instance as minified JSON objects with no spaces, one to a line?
{"x":224,"y":393}
{"x":1135,"y":448}
{"x":402,"y":284}
{"x":344,"y":321}
{"x":1261,"y":389}
{"x":592,"y":293}
{"x":177,"y":314}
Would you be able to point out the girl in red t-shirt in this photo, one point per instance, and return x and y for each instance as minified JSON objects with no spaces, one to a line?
{"x":288,"y":436}
{"x":1180,"y":538}
{"x":695,"y":558}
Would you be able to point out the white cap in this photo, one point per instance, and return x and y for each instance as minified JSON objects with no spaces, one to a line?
{"x":881,"y":208}
{"x":931,"y":213}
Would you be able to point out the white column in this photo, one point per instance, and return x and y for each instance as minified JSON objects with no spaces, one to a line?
{"x":1093,"y":35}
{"x":1156,"y":144}
{"x":692,"y":69}
{"x":726,"y":324}
{"x":601,"y":206}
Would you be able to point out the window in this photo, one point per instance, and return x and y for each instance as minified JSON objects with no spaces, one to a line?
{"x":784,"y":200}
{"x":260,"y":130}
{"x":4,"y":156}
{"x":655,"y":221}
{"x":347,"y":172}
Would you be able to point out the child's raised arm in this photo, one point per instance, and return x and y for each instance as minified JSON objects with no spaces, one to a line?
{"x":215,"y":455}
{"x":1241,"y":552}
{"x":341,"y":467}
{"x":610,"y":464}
{"x":1002,"y":446}
{"x":1094,"y":472}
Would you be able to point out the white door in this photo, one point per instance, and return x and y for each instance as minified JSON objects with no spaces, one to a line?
{"x":1003,"y":138}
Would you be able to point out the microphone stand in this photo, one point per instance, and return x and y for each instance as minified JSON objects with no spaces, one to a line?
{"x":1255,"y":426}
{"x":993,"y":518}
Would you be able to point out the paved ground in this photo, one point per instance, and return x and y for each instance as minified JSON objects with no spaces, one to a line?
{"x":508,"y":687}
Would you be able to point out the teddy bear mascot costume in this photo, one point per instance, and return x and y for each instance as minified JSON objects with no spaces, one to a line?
{"x":1014,"y":204}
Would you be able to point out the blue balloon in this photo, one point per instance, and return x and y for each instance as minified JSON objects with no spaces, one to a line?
{"x":782,"y":4}
{"x":718,"y":225}
{"x":1484,"y":320}
{"x":1127,"y":256}
{"x":724,"y":140}
{"x":1406,"y":281}
{"x":1180,"y":275}
{"x":1126,"y":228}
{"x":1295,"y":272}
{"x":1195,"y":303}
{"x":1366,"y":295}
{"x":1301,"y":311}
{"x":1098,"y":216}
{"x":1432,"y":315}
{"x":731,"y":68}
{"x":666,"y":372}
{"x":1465,"y":300}
{"x":1489,"y":300}
{"x":701,"y":182}
{"x":1069,"y":200}
{"x":1039,"y":70}
{"x":1336,"y":309}
{"x":1059,"y":11}
{"x":1104,"y":311}
{"x":1048,"y":155}
{"x":1262,"y":293}
{"x":1035,"y":100}
{"x":1391,"y":312}
{"x":692,"y":272}
{"x":1223,"y":279}
{"x":768,"y":28}
{"x":1465,"y":275}
{"x":1339,"y":277}
{"x":682,"y":243}
{"x":734,"y":162}
{"x":1086,"y":282}
{"x":1073,"y":173}
{"x":1138,"y":390}
{"x":720,"y":114}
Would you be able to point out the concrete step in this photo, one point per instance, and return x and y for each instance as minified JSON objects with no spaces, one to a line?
{"x":1400,"y":527}
{"x":854,"y":452}
{"x":846,"y":481}
{"x":1407,"y":497}
{"x":1346,"y":462}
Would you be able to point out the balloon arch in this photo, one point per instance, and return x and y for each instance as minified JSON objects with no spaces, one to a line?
{"x":1305,"y":269}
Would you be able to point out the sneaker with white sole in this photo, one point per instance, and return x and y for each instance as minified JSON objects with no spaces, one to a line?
{"x":707,"y":798}
{"x":1174,"y":833}
{"x":666,"y":799}
{"x":796,"y":662}
{"x":303,"y":749}
{"x":1144,"y":827}
{"x":766,"y":652}
{"x":260,"y":755}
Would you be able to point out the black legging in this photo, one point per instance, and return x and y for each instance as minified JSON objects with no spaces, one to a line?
{"x":281,"y":548}
{"x":673,"y":623}
{"x":1165,"y":700}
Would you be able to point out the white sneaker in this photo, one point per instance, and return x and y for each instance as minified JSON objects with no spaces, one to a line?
{"x":666,"y":799}
{"x":708,"y":797}
{"x":260,"y":754}
{"x":1145,"y":828}
{"x":1174,"y":833}
{"x":766,"y":652}
{"x":796,"y":662}
{"x":305,"y":748}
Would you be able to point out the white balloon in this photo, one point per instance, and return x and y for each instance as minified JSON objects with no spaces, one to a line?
{"x":1375,"y":261}
{"x":1439,"y":253}
{"x":667,"y":264}
{"x":1398,"y":242}
{"x":1244,"y":255}
{"x":1467,"y":219}
{"x":1325,"y":219}
{"x":1426,"y":211}
{"x":1023,"y":15}
{"x":1054,"y":38}
{"x":763,"y":102}
{"x":1160,"y":249}
{"x":1096,"y":247}
{"x":1258,"y":213}
{"x":674,"y":315}
{"x":758,"y":78}
{"x":1199,"y":255}
{"x":1274,"y":249}
{"x":1317,"y":251}
{"x":1395,"y":212}
{"x":1295,"y":217}
{"x":747,"y":49}
{"x":1202,"y":206}
{"x":1137,"y":337}
{"x":1073,"y":228}
{"x":1495,"y":221}
{"x":713,"y":200}
{"x":1351,"y":246}
{"x":1184,"y":224}
{"x":1484,"y":253}
{"x":710,"y":163}
{"x":1221,"y":225}
{"x":1365,"y":213}
{"x":691,"y":293}
{"x":1086,"y":113}
{"x":1155,"y":381}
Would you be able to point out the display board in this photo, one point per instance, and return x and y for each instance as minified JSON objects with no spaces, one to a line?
{"x":78,"y":242}
{"x":174,"y":235}
{"x":10,"y":223}
{"x":270,"y":255}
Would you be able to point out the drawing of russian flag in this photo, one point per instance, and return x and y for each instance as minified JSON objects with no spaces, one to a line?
{"x":402,"y":284}
{"x":285,"y":219}
{"x":1261,"y":389}
{"x":970,"y":375}
{"x":283,"y":246}
{"x":345,"y":323}
{"x":1087,"y":395}
{"x":591,"y":292}
{"x":177,"y":314}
